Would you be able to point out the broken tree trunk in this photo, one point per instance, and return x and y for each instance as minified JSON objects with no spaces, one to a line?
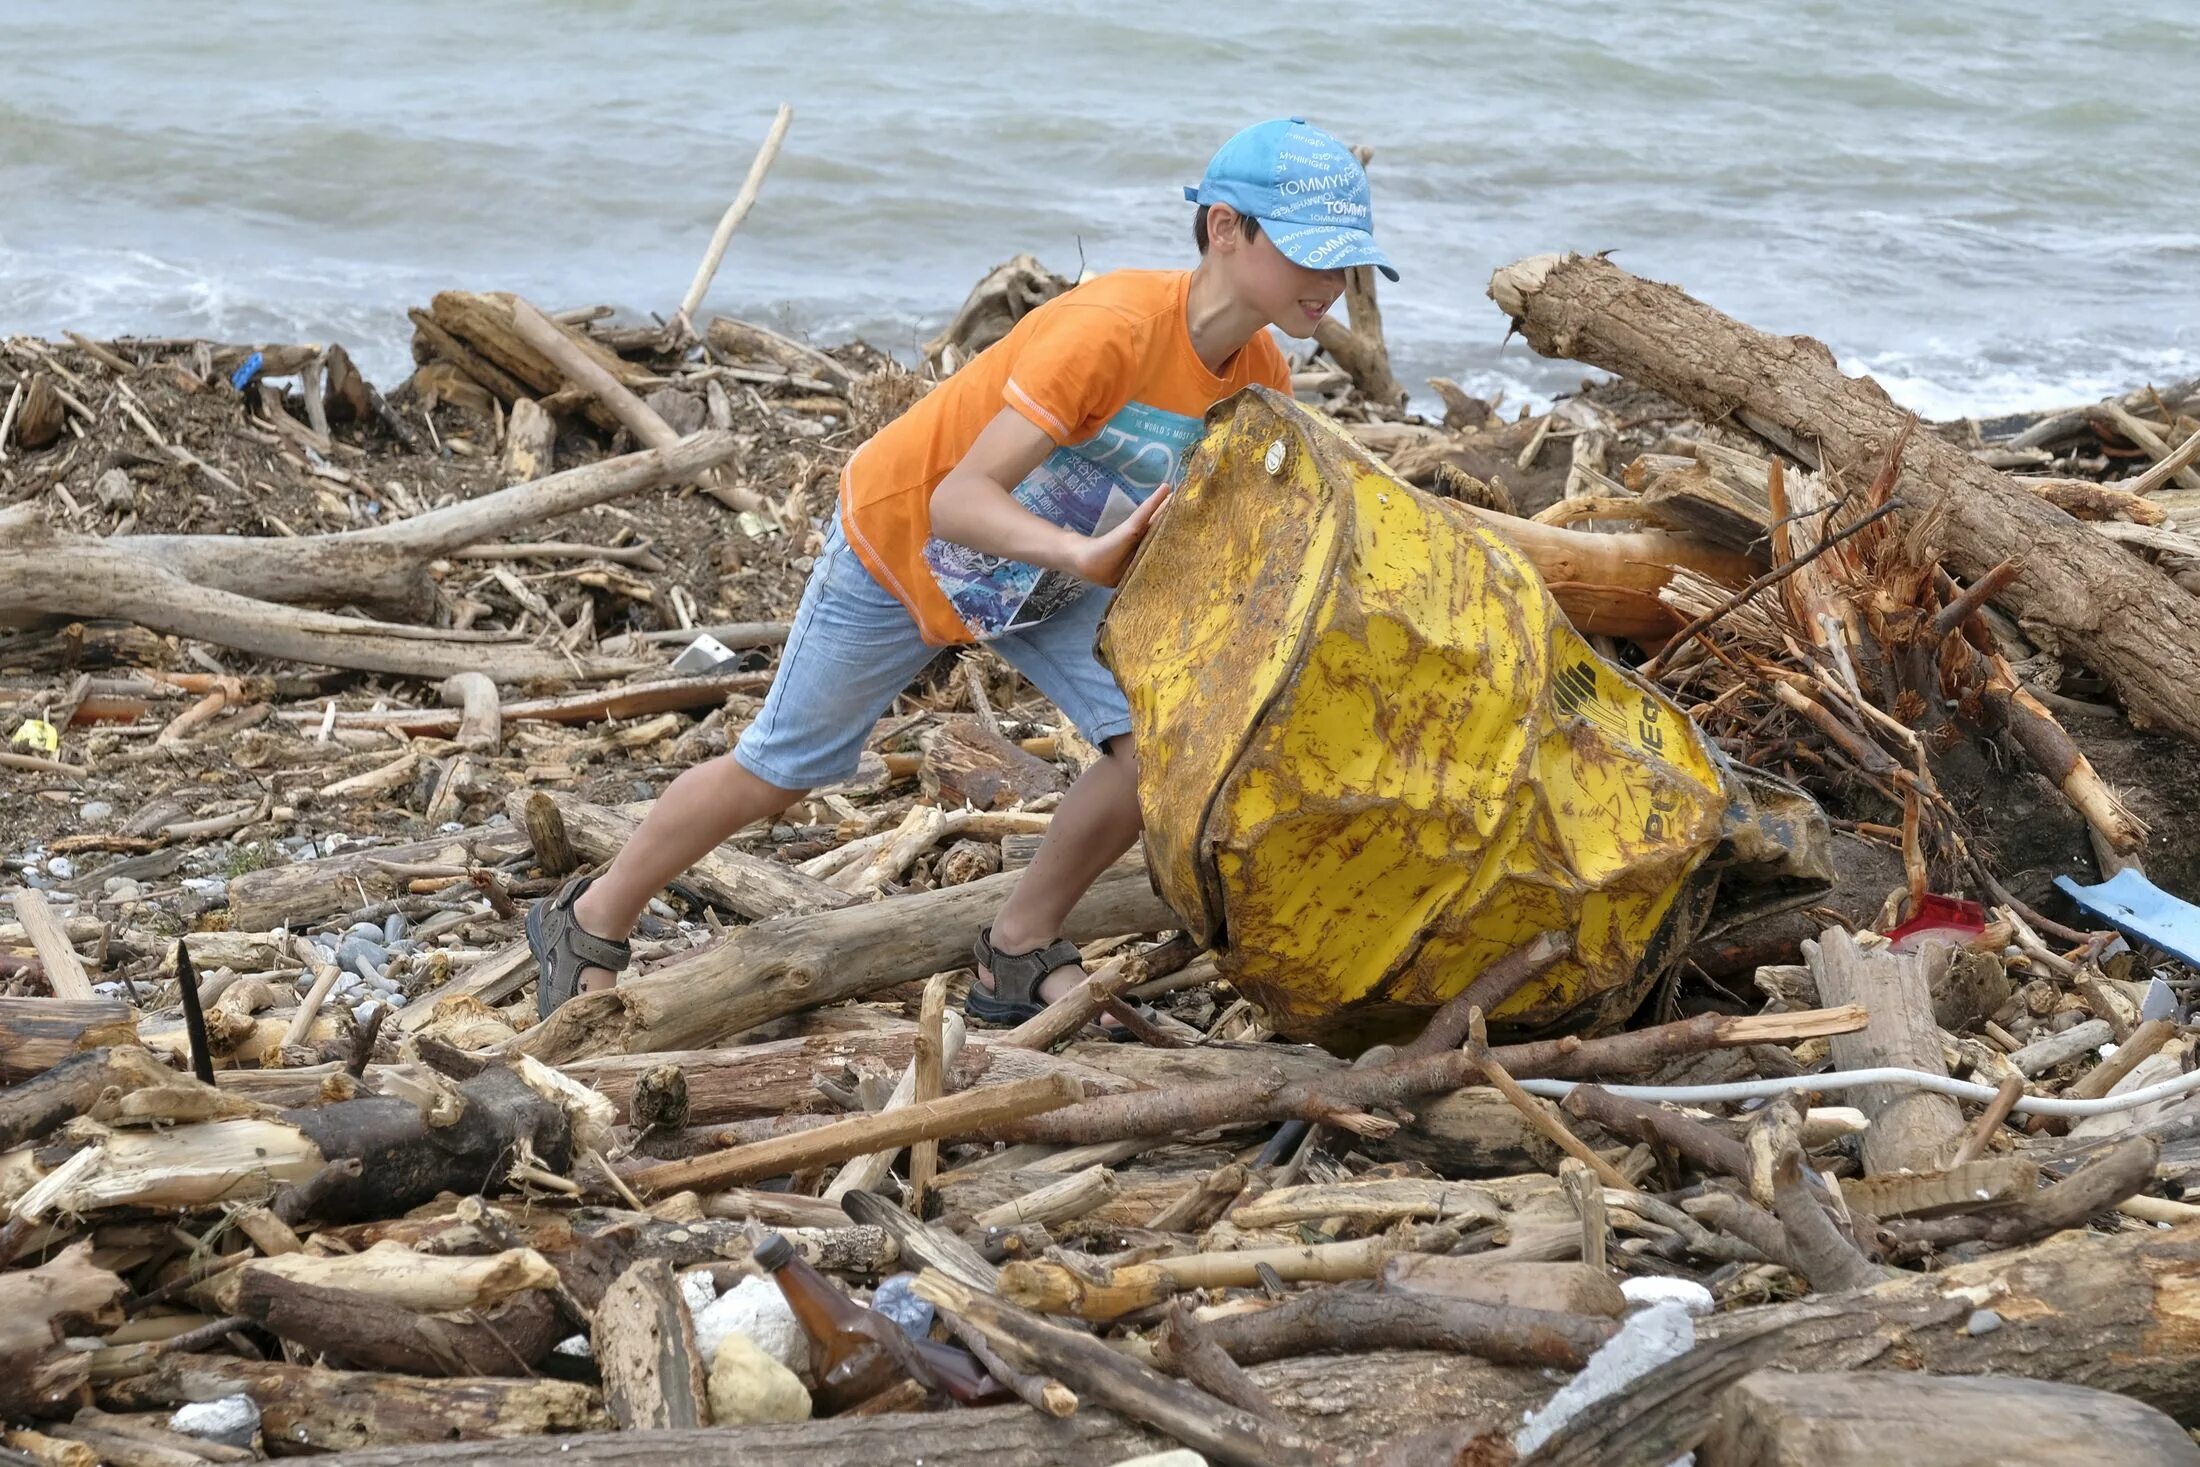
{"x":2077,"y":593}
{"x":795,"y":963}
{"x":1911,"y":1130}
{"x":44,"y":1103}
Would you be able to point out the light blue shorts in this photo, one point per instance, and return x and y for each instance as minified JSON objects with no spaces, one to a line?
{"x":853,"y":647}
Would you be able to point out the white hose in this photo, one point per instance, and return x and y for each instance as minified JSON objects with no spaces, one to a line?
{"x":1885,"y":1075}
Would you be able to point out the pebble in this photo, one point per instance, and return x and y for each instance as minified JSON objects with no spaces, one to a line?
{"x":748,"y":1387}
{"x":663,"y":909}
{"x":61,"y":868}
{"x":573,"y":1346}
{"x":360,"y":955}
{"x":1982,"y":1322}
{"x":371,"y":931}
{"x":97,"y":810}
{"x":394,"y":929}
{"x":231,"y":1420}
{"x":206,"y":886}
{"x":396,"y":1000}
{"x":123,"y":889}
{"x":894,"y":1300}
{"x":755,"y":1308}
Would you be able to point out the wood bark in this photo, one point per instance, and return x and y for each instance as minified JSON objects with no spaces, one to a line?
{"x":485,"y":323}
{"x":644,"y":1341}
{"x":530,"y":442}
{"x":2077,"y":594}
{"x":338,"y":1410}
{"x":729,"y":877}
{"x":1911,"y":1130}
{"x":794,"y":963}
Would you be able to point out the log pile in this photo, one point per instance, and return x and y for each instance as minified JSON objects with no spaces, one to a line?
{"x":306,"y":705}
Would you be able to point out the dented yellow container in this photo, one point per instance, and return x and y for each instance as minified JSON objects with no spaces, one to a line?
{"x":1375,"y":757}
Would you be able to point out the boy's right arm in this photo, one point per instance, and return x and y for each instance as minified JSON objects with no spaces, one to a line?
{"x":975,"y":505}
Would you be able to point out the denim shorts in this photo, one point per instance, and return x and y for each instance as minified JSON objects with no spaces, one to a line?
{"x":853,"y":648}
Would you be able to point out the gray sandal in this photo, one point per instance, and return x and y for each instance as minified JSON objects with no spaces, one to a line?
{"x":1014,"y":996}
{"x":562,"y":948}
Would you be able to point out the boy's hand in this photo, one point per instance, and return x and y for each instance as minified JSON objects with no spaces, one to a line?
{"x":1102,"y":559}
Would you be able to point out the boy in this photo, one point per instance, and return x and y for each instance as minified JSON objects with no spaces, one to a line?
{"x":1001,"y":508}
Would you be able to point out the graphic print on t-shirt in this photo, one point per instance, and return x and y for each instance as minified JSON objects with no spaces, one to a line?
{"x":1089,"y":487}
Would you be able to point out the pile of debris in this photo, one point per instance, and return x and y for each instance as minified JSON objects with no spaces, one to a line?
{"x":299,"y":724}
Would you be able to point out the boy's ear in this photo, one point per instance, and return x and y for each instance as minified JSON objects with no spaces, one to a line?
{"x":1225,"y":226}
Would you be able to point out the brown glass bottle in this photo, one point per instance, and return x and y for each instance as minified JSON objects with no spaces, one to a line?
{"x":856,"y":1352}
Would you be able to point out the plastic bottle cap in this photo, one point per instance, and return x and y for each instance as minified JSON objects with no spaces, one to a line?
{"x":774,"y":1253}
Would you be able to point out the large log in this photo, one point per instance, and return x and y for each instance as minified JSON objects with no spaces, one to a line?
{"x":2078,"y":594}
{"x":793,"y":963}
{"x":1911,"y":1130}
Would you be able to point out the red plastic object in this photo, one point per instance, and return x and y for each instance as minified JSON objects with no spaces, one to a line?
{"x":1947,"y":919}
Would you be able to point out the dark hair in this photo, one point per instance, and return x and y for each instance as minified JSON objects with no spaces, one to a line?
{"x":1246,"y":223}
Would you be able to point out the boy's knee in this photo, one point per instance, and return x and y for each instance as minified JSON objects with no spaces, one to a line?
{"x":1123,"y":753}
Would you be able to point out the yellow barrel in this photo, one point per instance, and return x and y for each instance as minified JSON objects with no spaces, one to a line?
{"x":1374,"y":756}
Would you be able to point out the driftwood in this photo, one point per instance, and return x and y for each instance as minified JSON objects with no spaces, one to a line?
{"x":335,"y":1410}
{"x":226,"y":589}
{"x":1336,"y":1320}
{"x":1911,"y":1130}
{"x":966,"y":1113}
{"x":794,"y":963}
{"x":728,"y":877}
{"x":38,"y":1308}
{"x":1107,"y":1378}
{"x":2080,"y":594}
{"x":1342,"y":1411}
{"x":645,"y":1348}
{"x":463,"y":1141}
{"x":42,"y":1104}
{"x":355,"y":1327}
{"x":1233,"y":1102}
{"x":1775,"y":1419}
{"x":38,"y":1033}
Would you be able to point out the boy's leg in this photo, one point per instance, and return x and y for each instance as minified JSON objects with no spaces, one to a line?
{"x":1095,"y":824}
{"x":852,"y":647}
{"x":697,"y":811}
{"x":1099,"y":818}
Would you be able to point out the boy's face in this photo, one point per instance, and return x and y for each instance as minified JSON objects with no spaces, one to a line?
{"x":1292,"y":297}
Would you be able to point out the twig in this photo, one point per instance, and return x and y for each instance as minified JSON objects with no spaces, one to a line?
{"x":737,"y":211}
{"x":1549,"y":1125}
{"x":1989,"y":1121}
{"x":1771,"y":577}
{"x":194,"y":1017}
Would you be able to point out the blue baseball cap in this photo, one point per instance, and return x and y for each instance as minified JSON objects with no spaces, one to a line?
{"x":1307,"y":190}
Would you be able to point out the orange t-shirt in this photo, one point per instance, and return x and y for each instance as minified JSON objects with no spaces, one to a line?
{"x":1108,"y":372}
